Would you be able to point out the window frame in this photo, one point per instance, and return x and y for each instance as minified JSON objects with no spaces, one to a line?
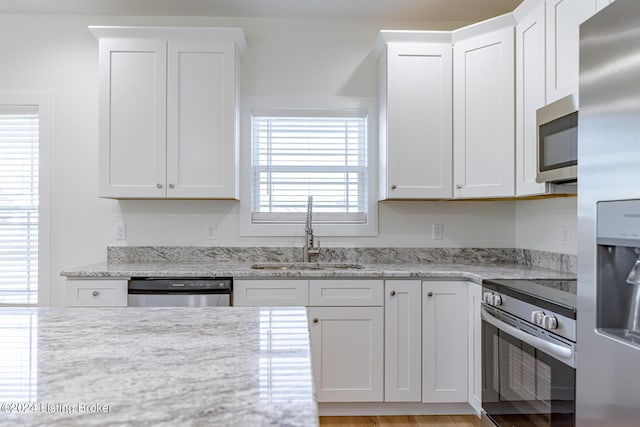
{"x":310,"y":104}
{"x":44,"y":102}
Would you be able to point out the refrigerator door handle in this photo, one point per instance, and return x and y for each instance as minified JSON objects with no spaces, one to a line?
{"x":554,"y":350}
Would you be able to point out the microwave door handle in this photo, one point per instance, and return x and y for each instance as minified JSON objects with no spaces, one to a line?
{"x":553,"y":349}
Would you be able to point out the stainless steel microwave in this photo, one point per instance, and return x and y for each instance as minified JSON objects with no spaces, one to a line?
{"x":558,"y":141}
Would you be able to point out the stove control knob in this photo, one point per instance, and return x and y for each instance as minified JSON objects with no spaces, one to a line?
{"x":486,"y":297}
{"x":549,"y":322}
{"x":536,"y":317}
{"x":496,"y":300}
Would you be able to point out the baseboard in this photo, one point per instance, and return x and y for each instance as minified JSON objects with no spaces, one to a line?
{"x":392,"y":408}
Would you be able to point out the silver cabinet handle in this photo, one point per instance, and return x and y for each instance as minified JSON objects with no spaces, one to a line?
{"x":315,"y":320}
{"x":171,"y":186}
{"x":393,"y":186}
{"x":392,"y":293}
{"x":429,"y":294}
{"x":159,"y":185}
{"x":95,"y":293}
{"x":458,"y":186}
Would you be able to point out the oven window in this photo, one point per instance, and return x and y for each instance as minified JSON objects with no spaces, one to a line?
{"x":523,"y":386}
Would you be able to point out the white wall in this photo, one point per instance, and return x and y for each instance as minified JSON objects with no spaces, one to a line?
{"x":547,"y":225}
{"x":285,"y":57}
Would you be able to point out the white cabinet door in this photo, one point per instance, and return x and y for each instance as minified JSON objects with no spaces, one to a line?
{"x":416,"y":120}
{"x":483,"y":115}
{"x":347,"y":353}
{"x":270,"y":293}
{"x":563,"y":21}
{"x":444,"y":342}
{"x":97,"y":292}
{"x":474,"y":345}
{"x":132,"y":109}
{"x":530,"y":95}
{"x":403,"y":341}
{"x":201,"y":108}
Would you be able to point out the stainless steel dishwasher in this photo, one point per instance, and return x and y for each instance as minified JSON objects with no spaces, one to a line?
{"x":180,"y":292}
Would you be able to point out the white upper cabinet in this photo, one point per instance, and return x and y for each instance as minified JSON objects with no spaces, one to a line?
{"x":415,"y":114}
{"x":483,"y":109}
{"x":530,"y":93}
{"x":563,"y":21}
{"x":168,"y":111}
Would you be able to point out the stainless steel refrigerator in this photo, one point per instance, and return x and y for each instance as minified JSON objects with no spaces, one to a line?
{"x":608,"y":344}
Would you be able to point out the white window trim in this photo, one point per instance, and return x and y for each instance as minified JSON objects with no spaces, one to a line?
{"x":247,"y":228}
{"x":44,"y":102}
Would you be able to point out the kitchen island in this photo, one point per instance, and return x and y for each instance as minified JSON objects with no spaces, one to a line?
{"x":156,"y":366}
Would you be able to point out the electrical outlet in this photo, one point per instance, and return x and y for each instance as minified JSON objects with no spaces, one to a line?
{"x":565,"y":231}
{"x":437,"y":231}
{"x":210,"y":231}
{"x":120,"y":231}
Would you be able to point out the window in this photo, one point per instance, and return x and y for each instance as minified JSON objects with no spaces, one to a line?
{"x":297,"y":153}
{"x":22,"y":131}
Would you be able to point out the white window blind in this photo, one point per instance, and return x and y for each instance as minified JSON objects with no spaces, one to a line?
{"x":309,"y":154}
{"x":19,"y":167}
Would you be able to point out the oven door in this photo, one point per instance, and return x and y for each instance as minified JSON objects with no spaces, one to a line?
{"x":526,"y":380}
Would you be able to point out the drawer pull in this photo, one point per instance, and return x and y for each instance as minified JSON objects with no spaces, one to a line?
{"x":429,"y":294}
{"x":392,"y":293}
{"x":315,"y":320}
{"x":95,"y":293}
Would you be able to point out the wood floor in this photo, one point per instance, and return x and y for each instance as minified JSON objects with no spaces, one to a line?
{"x":403,"y":421}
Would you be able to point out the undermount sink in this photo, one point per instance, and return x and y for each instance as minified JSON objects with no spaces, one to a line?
{"x":306,"y":266}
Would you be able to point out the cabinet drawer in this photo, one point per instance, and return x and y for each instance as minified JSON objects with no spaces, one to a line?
{"x":254,"y":293}
{"x":97,"y":293}
{"x":346,"y":293}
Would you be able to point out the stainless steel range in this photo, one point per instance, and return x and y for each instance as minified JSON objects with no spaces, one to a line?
{"x":528,"y":353}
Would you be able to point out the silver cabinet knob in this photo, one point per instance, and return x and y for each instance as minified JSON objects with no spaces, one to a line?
{"x":458,"y":186}
{"x":171,"y":186}
{"x":392,"y":293}
{"x":429,"y":294}
{"x":95,"y":293}
{"x":159,"y":185}
{"x":315,"y":320}
{"x":393,"y":186}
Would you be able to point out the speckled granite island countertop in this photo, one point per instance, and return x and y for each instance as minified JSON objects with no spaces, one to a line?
{"x":155,"y":367}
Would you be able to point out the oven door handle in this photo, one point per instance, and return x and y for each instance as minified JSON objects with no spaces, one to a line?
{"x":553,"y":349}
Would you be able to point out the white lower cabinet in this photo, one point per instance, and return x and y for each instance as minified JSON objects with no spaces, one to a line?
{"x":256,"y":293}
{"x":444,"y":341}
{"x":403,"y":338}
{"x":346,"y":353}
{"x":97,"y":293}
{"x":474,"y":345}
{"x":346,"y":324}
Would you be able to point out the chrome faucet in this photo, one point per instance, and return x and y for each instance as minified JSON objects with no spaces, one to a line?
{"x":309,"y":249}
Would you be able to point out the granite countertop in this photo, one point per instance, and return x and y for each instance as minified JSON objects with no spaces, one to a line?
{"x":155,"y":366}
{"x":238,"y":270}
